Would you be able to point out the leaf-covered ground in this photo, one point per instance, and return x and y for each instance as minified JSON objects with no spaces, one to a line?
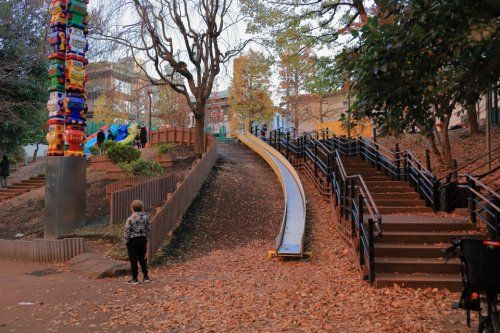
{"x":218,"y":278}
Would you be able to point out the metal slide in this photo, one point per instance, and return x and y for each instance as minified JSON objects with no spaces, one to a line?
{"x":290,"y":239}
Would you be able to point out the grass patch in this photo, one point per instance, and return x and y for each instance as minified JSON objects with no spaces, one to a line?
{"x":112,"y":234}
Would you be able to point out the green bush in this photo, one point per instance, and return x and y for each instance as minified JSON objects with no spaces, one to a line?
{"x":94,"y":150}
{"x":142,"y":167}
{"x":120,"y":153}
{"x":165,"y":148}
{"x":107,"y":144}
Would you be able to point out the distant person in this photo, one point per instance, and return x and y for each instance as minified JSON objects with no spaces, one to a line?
{"x":143,"y":136}
{"x":101,"y":137}
{"x":111,"y":137}
{"x":4,"y":170}
{"x":263,"y":131}
{"x":137,"y":140}
{"x":136,"y":238}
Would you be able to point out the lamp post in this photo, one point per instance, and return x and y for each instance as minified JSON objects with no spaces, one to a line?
{"x":150,"y":106}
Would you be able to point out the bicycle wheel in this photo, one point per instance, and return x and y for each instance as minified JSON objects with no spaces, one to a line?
{"x":490,"y":323}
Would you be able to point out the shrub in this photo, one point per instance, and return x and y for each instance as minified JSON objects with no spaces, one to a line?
{"x":107,"y":144}
{"x":94,"y":150}
{"x":142,"y":167}
{"x":120,"y":153}
{"x":165,"y":148}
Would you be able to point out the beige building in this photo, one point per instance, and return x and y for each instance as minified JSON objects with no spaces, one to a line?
{"x":313,"y":111}
{"x":124,"y":82}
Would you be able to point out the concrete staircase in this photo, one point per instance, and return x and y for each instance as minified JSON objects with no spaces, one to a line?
{"x":22,"y":187}
{"x":410,"y":250}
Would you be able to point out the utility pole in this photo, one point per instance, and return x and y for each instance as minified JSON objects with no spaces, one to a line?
{"x":488,"y":126}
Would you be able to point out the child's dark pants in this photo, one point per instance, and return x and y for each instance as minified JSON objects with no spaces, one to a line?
{"x":137,"y":252}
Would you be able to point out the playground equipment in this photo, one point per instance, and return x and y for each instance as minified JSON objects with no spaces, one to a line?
{"x":290,"y":239}
{"x":66,"y":169}
{"x":124,"y":134}
{"x":67,"y":103}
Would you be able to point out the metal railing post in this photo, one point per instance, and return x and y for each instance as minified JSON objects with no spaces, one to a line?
{"x":435,"y":194}
{"x":360,"y":236}
{"x":472,"y":202}
{"x":315,"y":159}
{"x":398,"y":162}
{"x":278,"y":141}
{"x":346,"y":199}
{"x":405,"y":166}
{"x":287,"y":145}
{"x":428,"y":159}
{"x":371,"y":254}
{"x":377,"y":158}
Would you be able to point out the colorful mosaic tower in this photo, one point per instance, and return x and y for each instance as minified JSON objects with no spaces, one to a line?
{"x":67,"y":102}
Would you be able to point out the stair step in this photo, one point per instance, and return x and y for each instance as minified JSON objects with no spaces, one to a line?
{"x":398,"y":190}
{"x":391,"y":196}
{"x":416,"y":265}
{"x":33,"y":181}
{"x":23,"y":186}
{"x":426,"y":226}
{"x":16,"y":191}
{"x":403,"y":210}
{"x":409,"y":250}
{"x":452,"y":282}
{"x":426,"y":237}
{"x":400,"y":202}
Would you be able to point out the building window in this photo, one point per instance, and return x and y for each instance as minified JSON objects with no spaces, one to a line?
{"x":123,"y":87}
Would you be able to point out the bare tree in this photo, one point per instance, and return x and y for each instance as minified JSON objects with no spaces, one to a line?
{"x":186,"y":37}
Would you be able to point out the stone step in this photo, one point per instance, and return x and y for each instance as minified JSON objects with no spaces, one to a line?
{"x":422,"y":237}
{"x":403,"y":210}
{"x":409,"y":250}
{"x":416,"y":265}
{"x":452,"y":282}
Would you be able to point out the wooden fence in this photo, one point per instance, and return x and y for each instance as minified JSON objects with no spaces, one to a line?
{"x":123,"y":184}
{"x":166,"y":219}
{"x":173,"y":135}
{"x":151,"y":193}
{"x":41,"y":249}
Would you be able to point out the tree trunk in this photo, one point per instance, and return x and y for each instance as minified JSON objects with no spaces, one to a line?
{"x":321,"y":115}
{"x":199,"y":129}
{"x":35,"y":153}
{"x":432,"y":141}
{"x":472,"y":119}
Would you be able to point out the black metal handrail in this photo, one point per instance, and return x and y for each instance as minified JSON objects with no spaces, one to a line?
{"x":484,"y":203}
{"x":424,"y":181}
{"x":354,"y":200}
{"x":455,"y":171}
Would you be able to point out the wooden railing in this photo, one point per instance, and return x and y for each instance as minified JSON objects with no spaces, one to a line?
{"x":173,"y":135}
{"x":48,"y":250}
{"x":166,"y":219}
{"x":151,"y":193}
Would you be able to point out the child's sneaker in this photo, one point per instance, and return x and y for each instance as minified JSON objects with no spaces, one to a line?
{"x":133,"y":281}
{"x":147,"y":280}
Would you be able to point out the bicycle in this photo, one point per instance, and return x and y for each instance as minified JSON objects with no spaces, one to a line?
{"x":480,"y":271}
